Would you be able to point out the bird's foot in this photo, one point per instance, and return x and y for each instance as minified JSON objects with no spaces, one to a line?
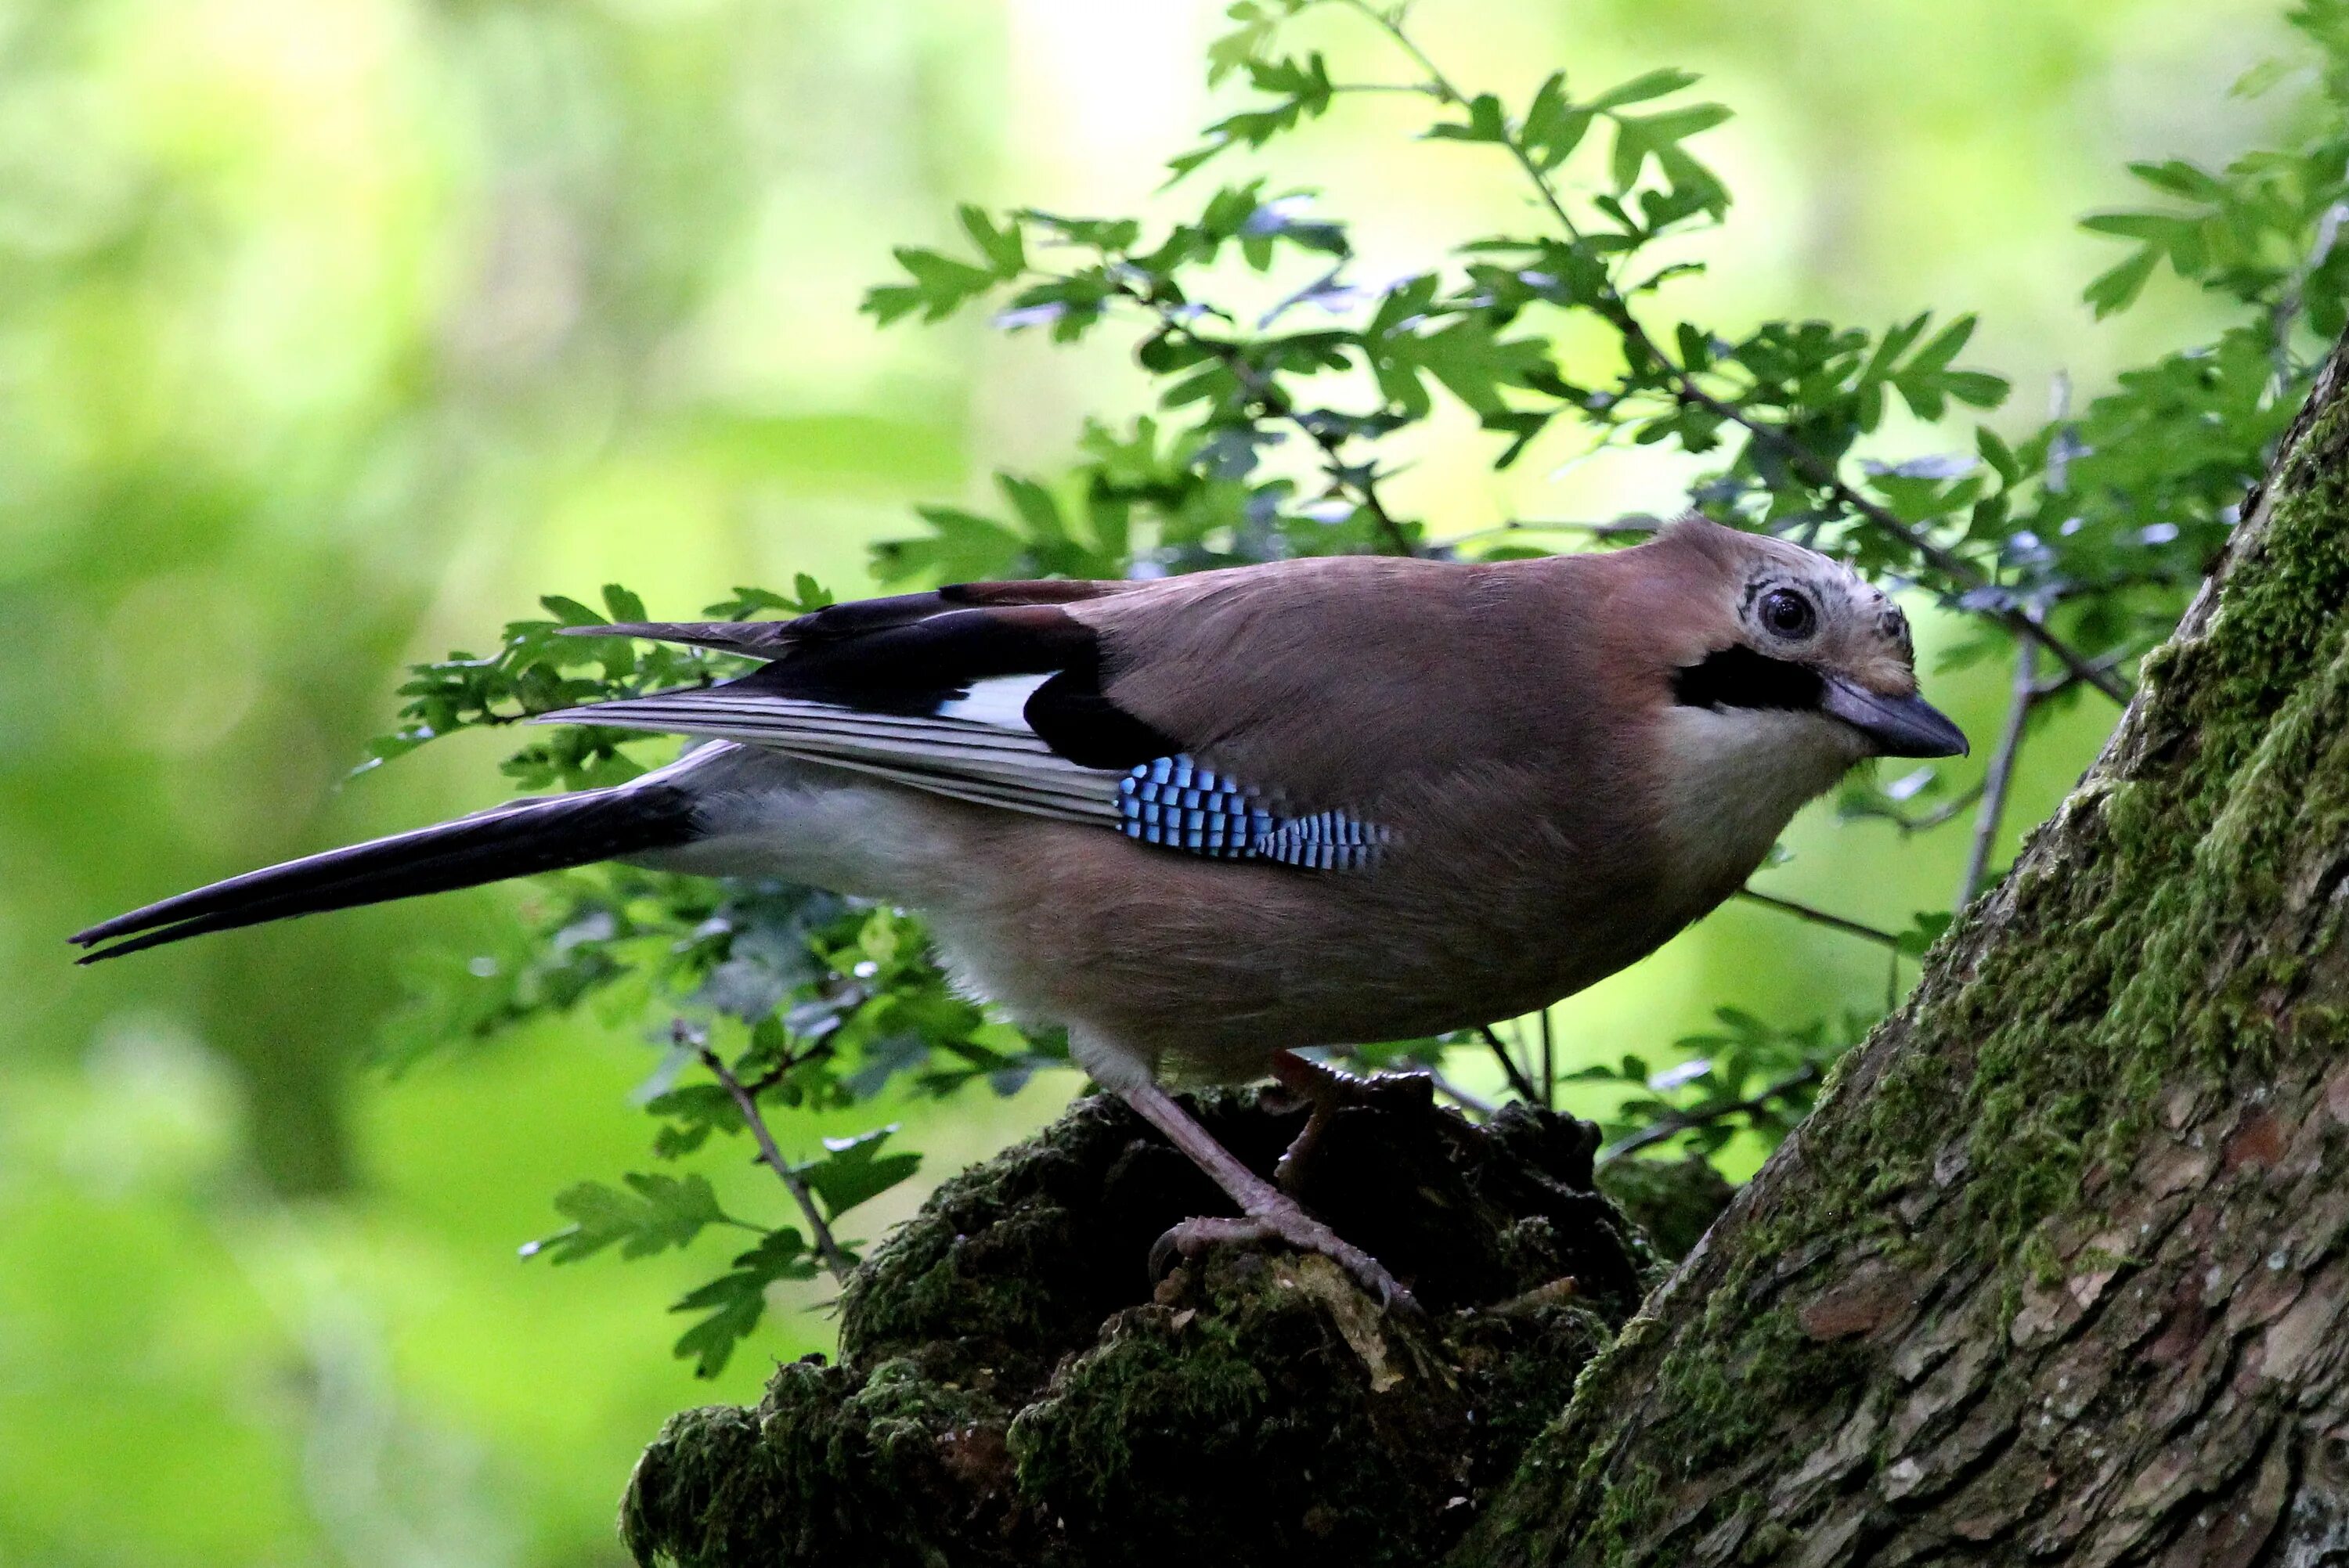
{"x":1289,"y":1224}
{"x":1327,"y":1091}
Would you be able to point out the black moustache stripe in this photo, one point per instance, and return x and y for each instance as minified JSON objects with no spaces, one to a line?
{"x":1740,"y":677}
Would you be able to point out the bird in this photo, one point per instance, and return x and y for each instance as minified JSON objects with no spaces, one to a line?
{"x":1207,"y":822}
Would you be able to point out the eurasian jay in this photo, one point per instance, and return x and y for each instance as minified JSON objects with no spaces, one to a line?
{"x":1205,"y":822}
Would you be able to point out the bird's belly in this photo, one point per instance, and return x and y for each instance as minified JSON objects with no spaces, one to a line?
{"x":1210,"y":970}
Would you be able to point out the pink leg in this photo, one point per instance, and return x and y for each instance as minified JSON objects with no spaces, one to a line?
{"x":1271,"y":1213}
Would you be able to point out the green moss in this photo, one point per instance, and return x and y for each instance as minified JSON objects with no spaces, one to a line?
{"x":1015,"y":1389}
{"x":1673,"y":1202}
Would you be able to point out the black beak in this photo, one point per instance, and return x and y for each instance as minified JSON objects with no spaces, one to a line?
{"x":1900,"y":726}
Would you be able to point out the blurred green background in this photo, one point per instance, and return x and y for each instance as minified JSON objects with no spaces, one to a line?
{"x":333,"y":332}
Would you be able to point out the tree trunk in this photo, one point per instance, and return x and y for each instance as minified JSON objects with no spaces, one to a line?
{"x":2058,"y":1271}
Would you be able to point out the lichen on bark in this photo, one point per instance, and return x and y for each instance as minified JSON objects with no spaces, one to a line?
{"x":1013,"y":1387}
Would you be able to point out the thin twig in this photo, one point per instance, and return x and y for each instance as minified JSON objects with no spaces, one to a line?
{"x":1923,"y":822}
{"x":2001,"y":776}
{"x":1821,"y":917}
{"x":1814,"y":470}
{"x":826,"y":1247}
{"x":2054,"y":686}
{"x":1684,"y":1122}
{"x":1474,"y":1105}
{"x":1550,"y":1060}
{"x":2285,"y":313}
{"x":1518,"y":1083}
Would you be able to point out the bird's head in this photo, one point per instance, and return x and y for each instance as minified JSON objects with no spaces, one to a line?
{"x":1784,"y":631}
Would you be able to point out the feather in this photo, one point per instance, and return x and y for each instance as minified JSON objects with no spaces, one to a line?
{"x":515,"y":839}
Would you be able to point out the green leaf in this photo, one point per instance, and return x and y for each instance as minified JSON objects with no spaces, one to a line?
{"x":570,"y":612}
{"x":854,"y":1170}
{"x":1924,"y":931}
{"x":1638,"y":89}
{"x":735,"y":1301}
{"x":2176,"y":176}
{"x":1035,"y":504}
{"x":623,"y":604}
{"x":940,"y":287}
{"x":657,"y":1212}
{"x":1003,"y":248}
{"x":2115,"y":290}
{"x":1486,"y":122}
{"x":1554,"y":126}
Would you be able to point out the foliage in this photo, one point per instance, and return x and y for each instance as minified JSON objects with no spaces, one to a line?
{"x":1290,"y":391}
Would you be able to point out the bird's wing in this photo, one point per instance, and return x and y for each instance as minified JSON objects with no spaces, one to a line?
{"x":858,"y":618}
{"x":992,"y":694}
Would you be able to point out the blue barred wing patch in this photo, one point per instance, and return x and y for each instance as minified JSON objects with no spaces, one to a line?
{"x":1175,"y":803}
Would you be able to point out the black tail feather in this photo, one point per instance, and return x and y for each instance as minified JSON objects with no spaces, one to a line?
{"x":513,"y":841}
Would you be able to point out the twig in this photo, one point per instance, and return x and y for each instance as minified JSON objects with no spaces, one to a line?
{"x":1821,"y":917}
{"x":1948,"y":810}
{"x":2001,"y":776}
{"x":2054,"y":686}
{"x":826,"y":1247}
{"x":1550,"y":1060}
{"x":1813,"y":468}
{"x":1683,"y":1121}
{"x":1474,"y":1105}
{"x":2285,"y":313}
{"x":1521,"y":1084}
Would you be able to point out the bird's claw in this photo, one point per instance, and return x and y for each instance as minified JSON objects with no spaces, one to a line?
{"x":1294,"y":1228}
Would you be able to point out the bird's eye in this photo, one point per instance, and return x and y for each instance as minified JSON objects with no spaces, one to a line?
{"x":1786,"y":613}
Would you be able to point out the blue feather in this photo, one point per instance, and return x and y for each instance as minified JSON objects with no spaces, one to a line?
{"x":1173,"y":801}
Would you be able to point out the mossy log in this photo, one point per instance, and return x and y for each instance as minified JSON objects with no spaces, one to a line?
{"x":2057,"y":1272}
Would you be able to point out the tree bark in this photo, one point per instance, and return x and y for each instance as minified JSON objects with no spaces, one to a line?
{"x":2056,"y":1273}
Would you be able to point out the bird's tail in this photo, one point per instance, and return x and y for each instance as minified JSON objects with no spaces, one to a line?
{"x":510,"y":841}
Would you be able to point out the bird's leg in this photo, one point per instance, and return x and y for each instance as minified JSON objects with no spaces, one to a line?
{"x":1326,"y":1090}
{"x":1268,"y":1213}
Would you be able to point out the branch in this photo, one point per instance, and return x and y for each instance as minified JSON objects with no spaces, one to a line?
{"x":1474,"y":1105}
{"x":1821,"y":917}
{"x":2001,"y":776}
{"x":2054,"y":686}
{"x":1821,"y":474}
{"x":826,"y":1247}
{"x":1522,"y":1085}
{"x":1947,"y":810}
{"x":1550,"y":1058}
{"x":1683,"y":1121}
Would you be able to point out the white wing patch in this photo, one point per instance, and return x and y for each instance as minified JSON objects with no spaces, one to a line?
{"x":1000,"y":700}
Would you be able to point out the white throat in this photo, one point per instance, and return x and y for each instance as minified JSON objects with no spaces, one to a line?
{"x":1734,"y":777}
